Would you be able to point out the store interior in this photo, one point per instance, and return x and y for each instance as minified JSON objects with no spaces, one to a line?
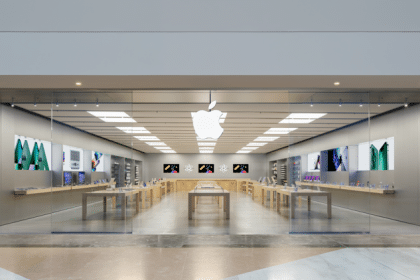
{"x":358,"y":151}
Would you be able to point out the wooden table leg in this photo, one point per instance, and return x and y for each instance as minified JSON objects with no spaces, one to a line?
{"x":114,"y":202}
{"x":309,"y":203}
{"x":227,"y":199}
{"x":329,"y":205}
{"x":278,"y":202}
{"x":151,"y":197}
{"x":138,"y":202}
{"x":220,"y":199}
{"x":262,"y":197}
{"x":84,"y":206}
{"x":123,"y":206}
{"x":271,"y":199}
{"x":292,"y":206}
{"x":105,"y":204}
{"x":190,"y":205}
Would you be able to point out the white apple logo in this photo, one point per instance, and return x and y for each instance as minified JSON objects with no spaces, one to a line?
{"x":206,"y":124}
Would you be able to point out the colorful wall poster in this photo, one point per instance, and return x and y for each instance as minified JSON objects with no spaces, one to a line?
{"x":338,"y":159}
{"x":98,"y":162}
{"x":171,"y":168}
{"x":240,"y":168}
{"x":376,"y":155}
{"x":206,"y":168}
{"x":72,"y":158}
{"x":32,"y":154}
{"x":314,"y":162}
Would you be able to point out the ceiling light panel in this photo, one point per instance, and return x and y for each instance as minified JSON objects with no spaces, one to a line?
{"x":168,"y":151}
{"x":147,"y":138}
{"x":206,"y":151}
{"x":206,"y":148}
{"x":305,"y":115}
{"x":108,"y":114}
{"x":249,"y":148}
{"x":264,"y":139}
{"x":162,"y":148}
{"x":118,"y":120}
{"x":206,"y":144}
{"x":155,"y":143}
{"x":259,"y":144}
{"x":279,"y":130}
{"x":243,"y":151}
{"x":128,"y":129}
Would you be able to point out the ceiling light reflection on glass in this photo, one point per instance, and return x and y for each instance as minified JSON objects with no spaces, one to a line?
{"x":263,"y":139}
{"x":258,"y":144}
{"x":147,"y":138}
{"x":155,"y":143}
{"x":279,"y":130}
{"x":128,"y":129}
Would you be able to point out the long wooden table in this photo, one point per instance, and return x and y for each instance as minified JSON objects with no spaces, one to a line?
{"x":111,"y":193}
{"x":218,"y":192}
{"x":343,"y":187}
{"x":292,"y":194}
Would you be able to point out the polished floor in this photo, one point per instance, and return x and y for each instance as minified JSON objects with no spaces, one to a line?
{"x":209,"y":263}
{"x":248,"y":217}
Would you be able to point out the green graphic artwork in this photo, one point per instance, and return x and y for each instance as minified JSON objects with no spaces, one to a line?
{"x":18,"y":155}
{"x":35,"y":157}
{"x":26,"y":156}
{"x":383,"y":157}
{"x":373,"y":158}
{"x":43,"y":162}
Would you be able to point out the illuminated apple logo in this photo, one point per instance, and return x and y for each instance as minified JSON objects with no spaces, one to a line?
{"x":206,"y":124}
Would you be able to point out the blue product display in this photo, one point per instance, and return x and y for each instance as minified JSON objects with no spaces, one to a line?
{"x":81,"y":178}
{"x":68,"y":179}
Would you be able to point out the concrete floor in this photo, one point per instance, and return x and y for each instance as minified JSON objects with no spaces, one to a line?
{"x":248,"y":217}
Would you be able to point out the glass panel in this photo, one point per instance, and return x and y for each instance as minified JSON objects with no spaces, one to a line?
{"x":91,"y":159}
{"x":328,"y":191}
{"x":25,"y":170}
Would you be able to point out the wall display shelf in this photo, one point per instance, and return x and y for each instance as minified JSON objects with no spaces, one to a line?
{"x":283,"y":174}
{"x":136,"y":174}
{"x":115,"y":173}
{"x":127,"y":173}
{"x":347,"y":188}
{"x":31,"y":191}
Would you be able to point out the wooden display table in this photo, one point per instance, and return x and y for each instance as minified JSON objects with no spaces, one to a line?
{"x":59,"y":189}
{"x":292,"y":194}
{"x":217,"y":192}
{"x":113,"y":194}
{"x":347,"y":188}
{"x":264,"y":192}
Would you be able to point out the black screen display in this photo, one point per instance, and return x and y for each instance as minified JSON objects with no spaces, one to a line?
{"x":206,"y":168}
{"x":171,"y":168}
{"x":240,"y":168}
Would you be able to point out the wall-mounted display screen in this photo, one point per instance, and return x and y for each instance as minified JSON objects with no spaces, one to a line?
{"x":32,"y":154}
{"x":72,"y":158}
{"x":240,"y":168}
{"x":171,"y":168}
{"x":81,"y":178}
{"x":98,"y":162}
{"x":376,"y":155}
{"x":338,"y":159}
{"x":68,"y":179}
{"x":314,"y":162}
{"x":206,"y":168}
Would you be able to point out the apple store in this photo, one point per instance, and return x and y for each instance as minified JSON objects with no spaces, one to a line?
{"x":151,"y":162}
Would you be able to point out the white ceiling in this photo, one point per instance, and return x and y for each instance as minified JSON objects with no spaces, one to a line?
{"x":167,"y":115}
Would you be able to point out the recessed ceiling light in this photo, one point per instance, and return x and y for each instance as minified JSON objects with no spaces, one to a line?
{"x":337,"y":83}
{"x":302,"y":117}
{"x":155,"y":143}
{"x":163,"y":148}
{"x":129,"y":129}
{"x":206,"y":151}
{"x":263,"y":139}
{"x":107,"y":114}
{"x":168,"y":151}
{"x":243,"y":151}
{"x":78,"y":84}
{"x":279,"y":130}
{"x":249,"y":148}
{"x":259,"y":144}
{"x":147,"y":138}
{"x":206,"y":143}
{"x":118,"y":120}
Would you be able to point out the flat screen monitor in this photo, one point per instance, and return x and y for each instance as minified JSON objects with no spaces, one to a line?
{"x":206,"y":168}
{"x":81,"y":178}
{"x":171,"y":168}
{"x":240,"y":168}
{"x":68,"y":179}
{"x":317,"y":178}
